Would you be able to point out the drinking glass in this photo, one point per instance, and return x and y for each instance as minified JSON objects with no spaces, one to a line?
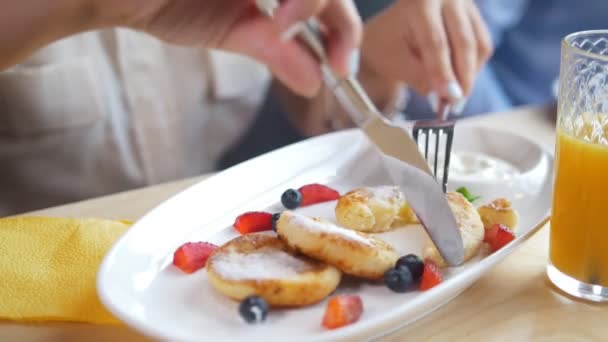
{"x":578,"y":248}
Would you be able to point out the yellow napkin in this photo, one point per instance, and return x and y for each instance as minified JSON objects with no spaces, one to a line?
{"x":48,"y":268}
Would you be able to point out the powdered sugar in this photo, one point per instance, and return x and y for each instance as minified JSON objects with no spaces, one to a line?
{"x":262,"y":264}
{"x":326,"y":227}
{"x":386,"y":193}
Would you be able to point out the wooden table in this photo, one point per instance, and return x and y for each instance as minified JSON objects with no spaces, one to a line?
{"x":513,"y":302}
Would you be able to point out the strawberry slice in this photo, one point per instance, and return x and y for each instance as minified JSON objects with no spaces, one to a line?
{"x":490,"y":234}
{"x":431,"y":276}
{"x":253,"y":222}
{"x":317,"y":193}
{"x":192,"y":256}
{"x":498,"y":236}
{"x":342,"y":310}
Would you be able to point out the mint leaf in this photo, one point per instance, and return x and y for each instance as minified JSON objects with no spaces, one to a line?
{"x":465,"y":192}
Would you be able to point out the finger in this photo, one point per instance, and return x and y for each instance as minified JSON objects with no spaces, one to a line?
{"x":289,"y":61}
{"x":415,"y":69}
{"x":485,"y":47}
{"x":340,"y":20}
{"x":430,"y":40}
{"x":462,"y":42}
{"x":293,"y":12}
{"x":409,"y":68}
{"x":401,"y":63}
{"x":344,"y":33}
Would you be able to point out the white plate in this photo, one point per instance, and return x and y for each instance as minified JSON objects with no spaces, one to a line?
{"x":139,"y":285}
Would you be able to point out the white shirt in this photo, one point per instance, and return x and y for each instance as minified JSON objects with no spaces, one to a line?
{"x":105,"y":111}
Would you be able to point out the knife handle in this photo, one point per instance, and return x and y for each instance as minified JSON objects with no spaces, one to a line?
{"x":354,"y":99}
{"x":348,"y":91}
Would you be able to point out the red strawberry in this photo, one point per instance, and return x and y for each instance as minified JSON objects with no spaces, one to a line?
{"x":498,"y":236}
{"x":317,"y":193}
{"x":431,"y":276}
{"x":253,"y":222}
{"x":490,"y":234}
{"x":342,"y":310}
{"x":192,"y":256}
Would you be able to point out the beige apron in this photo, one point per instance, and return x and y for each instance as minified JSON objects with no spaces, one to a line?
{"x":112,"y":110}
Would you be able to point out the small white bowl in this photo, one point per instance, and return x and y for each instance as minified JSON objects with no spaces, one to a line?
{"x":526,"y":156}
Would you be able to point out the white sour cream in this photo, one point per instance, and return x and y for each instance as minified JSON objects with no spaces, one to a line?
{"x":475,"y":166}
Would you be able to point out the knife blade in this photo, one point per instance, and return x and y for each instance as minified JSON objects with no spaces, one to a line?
{"x":408,"y":169}
{"x":429,"y":203}
{"x":378,"y":129}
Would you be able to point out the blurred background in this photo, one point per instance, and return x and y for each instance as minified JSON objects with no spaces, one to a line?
{"x":113,"y":110}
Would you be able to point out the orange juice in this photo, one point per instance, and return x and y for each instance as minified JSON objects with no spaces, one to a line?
{"x":579,"y":223}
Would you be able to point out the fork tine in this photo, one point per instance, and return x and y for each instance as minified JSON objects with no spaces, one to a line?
{"x":446,"y":162}
{"x":436,"y":161}
{"x":426,"y":144}
{"x":444,"y":128}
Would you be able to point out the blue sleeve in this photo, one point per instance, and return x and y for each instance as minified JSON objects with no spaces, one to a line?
{"x":501,"y":15}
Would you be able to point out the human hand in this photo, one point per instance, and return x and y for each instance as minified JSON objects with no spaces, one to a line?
{"x":323,"y":113}
{"x":238,"y":26}
{"x":434,"y":46}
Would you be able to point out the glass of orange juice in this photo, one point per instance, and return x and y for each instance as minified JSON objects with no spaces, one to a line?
{"x":578,"y":248}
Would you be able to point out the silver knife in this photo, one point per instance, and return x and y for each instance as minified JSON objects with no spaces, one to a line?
{"x":378,"y":129}
{"x":402,"y":158}
{"x":408,"y":169}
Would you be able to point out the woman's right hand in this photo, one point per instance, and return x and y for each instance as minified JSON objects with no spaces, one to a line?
{"x":232,"y":25}
{"x":436,"y":47}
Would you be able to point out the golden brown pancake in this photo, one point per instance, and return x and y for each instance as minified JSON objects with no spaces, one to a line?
{"x":354,"y":253}
{"x":261,"y":264}
{"x":470,"y":225}
{"x":374,"y":209}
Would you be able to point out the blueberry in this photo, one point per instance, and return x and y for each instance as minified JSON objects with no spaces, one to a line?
{"x":275,"y":218}
{"x":398,"y":279}
{"x":413,"y":263}
{"x":291,"y":199}
{"x":253,"y":309}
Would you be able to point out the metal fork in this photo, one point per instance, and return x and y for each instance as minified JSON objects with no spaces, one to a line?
{"x":426,"y":129}
{"x":364,"y":113}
